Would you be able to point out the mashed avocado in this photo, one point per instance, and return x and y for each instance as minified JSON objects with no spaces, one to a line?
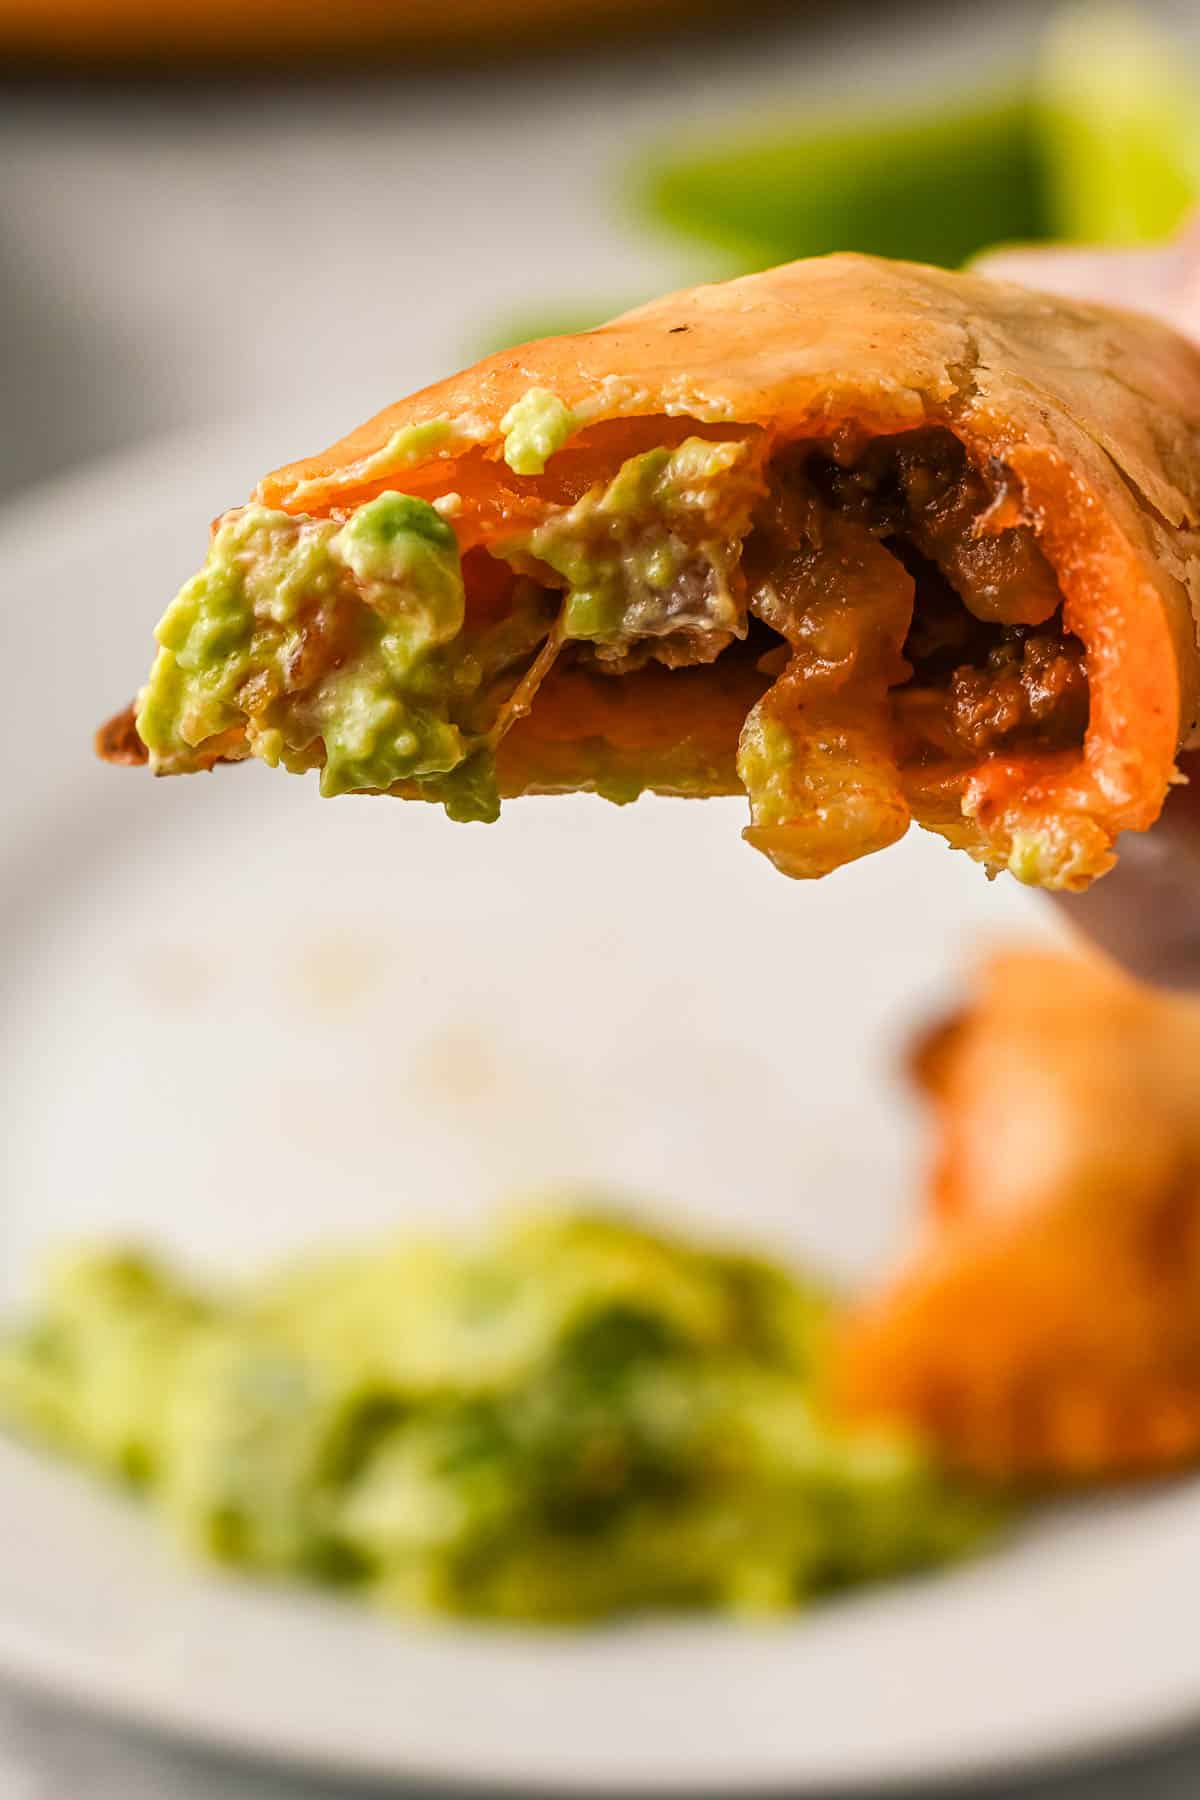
{"x":405,"y":449}
{"x":537,"y":426}
{"x":349,"y":646}
{"x":1057,"y":852}
{"x":651,"y":558}
{"x":377,"y":603}
{"x":573,"y":1418}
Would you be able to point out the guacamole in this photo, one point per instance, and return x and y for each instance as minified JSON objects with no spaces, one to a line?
{"x":650,"y":562}
{"x":372,"y":606}
{"x":350,"y":645}
{"x":571,"y":1418}
{"x":534,"y":429}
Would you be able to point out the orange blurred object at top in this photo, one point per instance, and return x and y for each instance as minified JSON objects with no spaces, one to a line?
{"x":235,"y":31}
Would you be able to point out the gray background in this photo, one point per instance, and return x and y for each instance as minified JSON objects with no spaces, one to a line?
{"x":172,"y":255}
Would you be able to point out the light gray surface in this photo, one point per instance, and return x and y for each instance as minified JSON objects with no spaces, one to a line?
{"x":46,"y":1754}
{"x":166,"y":258}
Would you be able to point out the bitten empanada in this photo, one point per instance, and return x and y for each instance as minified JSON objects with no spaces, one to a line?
{"x":870,"y":541}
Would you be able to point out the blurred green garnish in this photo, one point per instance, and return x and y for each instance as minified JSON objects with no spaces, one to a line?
{"x":1098,"y":143}
{"x":1118,"y":125}
{"x":932,"y":186}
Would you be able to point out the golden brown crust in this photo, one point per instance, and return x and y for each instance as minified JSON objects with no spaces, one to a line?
{"x":117,"y":740}
{"x":882,"y":345}
{"x":1049,"y":1323}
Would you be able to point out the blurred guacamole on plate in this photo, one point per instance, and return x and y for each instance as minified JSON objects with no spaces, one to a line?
{"x":570,"y":1418}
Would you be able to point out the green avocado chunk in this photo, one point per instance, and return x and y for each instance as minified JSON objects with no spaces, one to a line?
{"x":573,"y":1417}
{"x":651,"y":559}
{"x":537,"y":426}
{"x":385,"y":590}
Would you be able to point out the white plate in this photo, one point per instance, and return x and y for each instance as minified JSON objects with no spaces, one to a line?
{"x":236,"y":1017}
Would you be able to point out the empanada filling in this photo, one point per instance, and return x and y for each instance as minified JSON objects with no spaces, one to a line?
{"x":887,"y":600}
{"x":924,"y":638}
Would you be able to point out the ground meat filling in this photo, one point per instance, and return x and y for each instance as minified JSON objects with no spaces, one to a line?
{"x":921,"y":489}
{"x":1032,"y":690}
{"x":991,"y":667}
{"x":816,"y":754}
{"x":923,"y":631}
